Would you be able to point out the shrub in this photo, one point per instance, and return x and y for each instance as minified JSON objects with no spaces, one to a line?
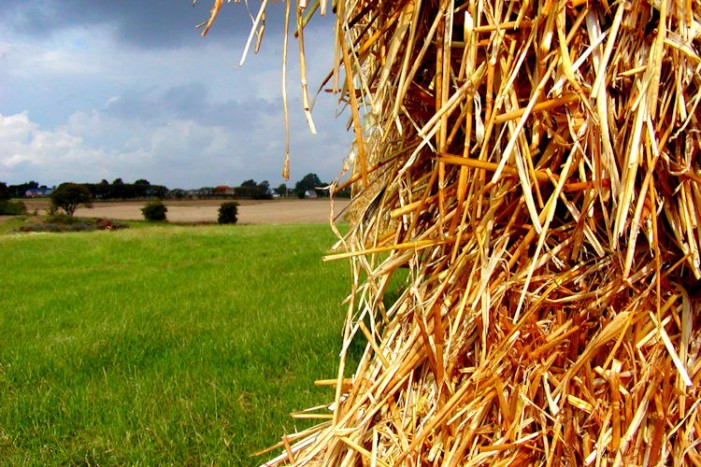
{"x":12,"y":208}
{"x":58,"y":218}
{"x":155,"y":211}
{"x":228,"y":212}
{"x":65,"y":223}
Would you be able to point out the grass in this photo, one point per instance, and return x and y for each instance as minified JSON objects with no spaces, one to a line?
{"x":9,"y":224}
{"x":163,"y":345}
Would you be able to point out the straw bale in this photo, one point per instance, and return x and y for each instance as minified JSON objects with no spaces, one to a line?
{"x":535,"y":173}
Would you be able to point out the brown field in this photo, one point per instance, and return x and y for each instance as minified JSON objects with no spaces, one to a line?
{"x":287,"y":211}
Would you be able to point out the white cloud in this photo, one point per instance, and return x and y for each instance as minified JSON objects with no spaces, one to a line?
{"x":178,"y":153}
{"x":164,"y":153}
{"x":28,"y":152}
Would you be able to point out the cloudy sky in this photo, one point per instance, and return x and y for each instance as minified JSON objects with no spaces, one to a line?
{"x":93,"y":90}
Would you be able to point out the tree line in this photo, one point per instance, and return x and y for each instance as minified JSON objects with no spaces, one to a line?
{"x":310,"y":186}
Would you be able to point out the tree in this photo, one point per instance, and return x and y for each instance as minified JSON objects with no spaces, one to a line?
{"x":100,"y":190}
{"x":253,"y":190}
{"x":18,"y":191}
{"x":309,"y":182}
{"x":158,"y":191}
{"x":139,"y":189}
{"x":118,"y":190}
{"x":4,"y":191}
{"x":68,"y":196}
{"x":7,"y":206}
{"x":281,"y":190}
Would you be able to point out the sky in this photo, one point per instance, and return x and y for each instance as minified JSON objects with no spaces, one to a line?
{"x":107,"y":89}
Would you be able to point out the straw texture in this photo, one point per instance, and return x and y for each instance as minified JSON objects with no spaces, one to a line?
{"x":532,"y":169}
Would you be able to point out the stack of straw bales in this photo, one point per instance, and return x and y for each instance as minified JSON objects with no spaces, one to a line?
{"x":535,"y":167}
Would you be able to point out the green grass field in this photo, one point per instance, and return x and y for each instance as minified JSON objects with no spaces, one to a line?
{"x":163,"y":345}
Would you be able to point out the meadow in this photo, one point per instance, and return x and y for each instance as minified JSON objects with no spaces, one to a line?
{"x":164,"y":345}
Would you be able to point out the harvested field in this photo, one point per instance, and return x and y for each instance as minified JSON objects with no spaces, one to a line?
{"x":294,"y":211}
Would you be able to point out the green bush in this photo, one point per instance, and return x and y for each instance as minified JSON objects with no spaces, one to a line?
{"x":12,"y":208}
{"x":155,"y":211}
{"x":228,"y":212}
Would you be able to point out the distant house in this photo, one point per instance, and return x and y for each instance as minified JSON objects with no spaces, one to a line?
{"x":223,"y":190}
{"x":38,"y":192}
{"x":310,"y":194}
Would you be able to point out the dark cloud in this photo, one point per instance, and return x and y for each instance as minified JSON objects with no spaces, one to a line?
{"x":190,"y":102}
{"x":145,"y":24}
{"x":155,"y":103}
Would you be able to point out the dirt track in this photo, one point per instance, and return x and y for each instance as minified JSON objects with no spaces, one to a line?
{"x":287,"y":211}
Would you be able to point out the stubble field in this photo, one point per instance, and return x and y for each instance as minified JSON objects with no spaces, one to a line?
{"x":280,"y":211}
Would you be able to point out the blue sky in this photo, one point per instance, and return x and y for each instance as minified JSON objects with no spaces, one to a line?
{"x":93,"y":90}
